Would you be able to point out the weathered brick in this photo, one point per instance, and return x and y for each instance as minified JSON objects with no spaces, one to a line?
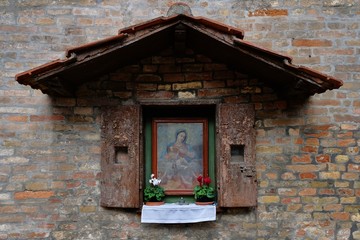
{"x":287,"y":191}
{"x":12,"y":218}
{"x":192,"y":68}
{"x":8,"y":209}
{"x":346,"y":142}
{"x":290,"y":200}
{"x":349,"y":126}
{"x":217,"y":93}
{"x":188,"y":85}
{"x":18,"y":118}
{"x":269,"y":149}
{"x":326,"y":191}
{"x":310,"y":149}
{"x":342,"y":158}
{"x":301,"y":159}
{"x":163,"y":60}
{"x":333,"y":207}
{"x":150,"y":68}
{"x":303,"y":168}
{"x":307,"y":175}
{"x":87,"y":209}
{"x":352,"y":150}
{"x":215,"y":67}
{"x":201,"y":76}
{"x":157,"y":95}
{"x":37,"y":235}
{"x":323,"y":158}
{"x":311,"y":43}
{"x":36,"y":186}
{"x":83,"y":175}
{"x":45,"y":21}
{"x":283,"y":122}
{"x":224,"y":75}
{"x":269,"y":199}
{"x":294,"y":207}
{"x":342,"y":184}
{"x":345,"y":192}
{"x":214,"y":84}
{"x":329,"y":175}
{"x":148,"y":78}
{"x":288,"y":176}
{"x":354,"y":168}
{"x":352,"y":209}
{"x":350,"y":176}
{"x":42,"y":118}
{"x":307,"y":192}
{"x":348,"y":200}
{"x":146,"y":87}
{"x":340,"y":216}
{"x":173,"y":77}
{"x":268,"y":13}
{"x":14,"y":160}
{"x":33,"y":195}
{"x":169,"y":68}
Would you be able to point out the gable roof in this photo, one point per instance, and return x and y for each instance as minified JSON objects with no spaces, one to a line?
{"x":221,"y":42}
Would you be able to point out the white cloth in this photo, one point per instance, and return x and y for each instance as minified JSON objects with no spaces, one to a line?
{"x":175,"y":213}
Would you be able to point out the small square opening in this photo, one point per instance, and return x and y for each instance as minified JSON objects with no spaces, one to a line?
{"x":237,"y":153}
{"x":121,"y":155}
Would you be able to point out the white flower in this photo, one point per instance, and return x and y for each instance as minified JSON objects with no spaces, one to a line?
{"x":154,"y":181}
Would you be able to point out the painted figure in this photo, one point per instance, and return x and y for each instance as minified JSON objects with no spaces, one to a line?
{"x":181,"y":163}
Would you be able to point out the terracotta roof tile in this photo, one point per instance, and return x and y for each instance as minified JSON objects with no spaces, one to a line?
{"x":200,"y":20}
{"x":127,"y":44}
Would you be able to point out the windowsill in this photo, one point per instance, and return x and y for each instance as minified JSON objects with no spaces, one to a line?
{"x":175,"y":213}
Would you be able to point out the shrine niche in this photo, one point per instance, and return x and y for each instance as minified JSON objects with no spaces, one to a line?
{"x":180,"y":60}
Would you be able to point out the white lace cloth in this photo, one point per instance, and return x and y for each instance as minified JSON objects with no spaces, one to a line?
{"x":175,"y":213}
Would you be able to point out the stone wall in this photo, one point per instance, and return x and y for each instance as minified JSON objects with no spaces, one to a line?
{"x":307,"y":151}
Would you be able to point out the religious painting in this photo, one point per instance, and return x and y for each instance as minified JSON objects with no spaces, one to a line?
{"x":179,"y":153}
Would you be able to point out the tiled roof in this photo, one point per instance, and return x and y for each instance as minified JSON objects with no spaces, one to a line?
{"x":63,"y":76}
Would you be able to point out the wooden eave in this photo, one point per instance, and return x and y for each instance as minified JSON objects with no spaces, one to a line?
{"x":85,"y":63}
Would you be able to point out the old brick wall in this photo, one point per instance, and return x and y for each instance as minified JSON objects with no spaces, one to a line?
{"x":307,"y":152}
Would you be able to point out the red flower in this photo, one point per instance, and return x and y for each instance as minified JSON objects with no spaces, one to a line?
{"x":199,"y":179}
{"x":207,"y":181}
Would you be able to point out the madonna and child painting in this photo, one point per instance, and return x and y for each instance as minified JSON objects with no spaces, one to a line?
{"x":180,"y":151}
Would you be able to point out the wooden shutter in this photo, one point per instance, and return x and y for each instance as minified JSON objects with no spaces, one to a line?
{"x":236,"y":174}
{"x":120,"y":136}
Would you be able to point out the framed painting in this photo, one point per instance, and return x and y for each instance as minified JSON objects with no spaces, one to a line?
{"x":179,"y":153}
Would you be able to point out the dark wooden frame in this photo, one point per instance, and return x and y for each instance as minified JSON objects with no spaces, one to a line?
{"x":156,"y":155}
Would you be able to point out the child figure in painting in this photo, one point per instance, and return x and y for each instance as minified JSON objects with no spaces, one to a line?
{"x":181,"y":165}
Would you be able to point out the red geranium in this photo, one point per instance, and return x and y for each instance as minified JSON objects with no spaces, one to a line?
{"x":204,"y":191}
{"x":207,"y":181}
{"x":200,"y":180}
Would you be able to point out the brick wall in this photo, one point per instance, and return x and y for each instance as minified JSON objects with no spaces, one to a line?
{"x":307,"y":151}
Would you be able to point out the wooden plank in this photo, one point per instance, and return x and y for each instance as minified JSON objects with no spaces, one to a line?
{"x":120,"y":135}
{"x":237,"y":176}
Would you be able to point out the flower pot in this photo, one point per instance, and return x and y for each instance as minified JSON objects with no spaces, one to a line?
{"x":204,"y":203}
{"x":204,"y":199}
{"x":154,"y":203}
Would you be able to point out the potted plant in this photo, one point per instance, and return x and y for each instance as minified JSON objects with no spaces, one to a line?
{"x":154,"y":194}
{"x":204,"y":193}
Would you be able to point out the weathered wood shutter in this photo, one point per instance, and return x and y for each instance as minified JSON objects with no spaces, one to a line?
{"x":120,"y":136}
{"x":236,"y":154}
